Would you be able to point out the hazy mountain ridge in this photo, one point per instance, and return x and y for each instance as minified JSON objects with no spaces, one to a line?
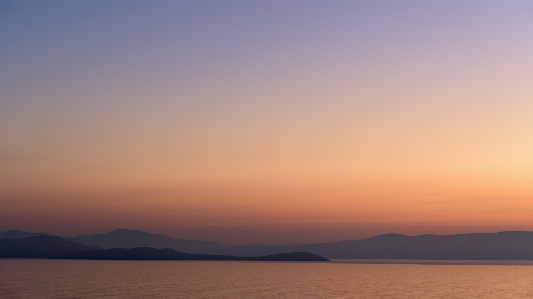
{"x":17,"y":234}
{"x":40,"y":247}
{"x":146,"y":253}
{"x":510,"y":245}
{"x":52,"y":247}
{"x":475,"y":246}
{"x":124,"y":238}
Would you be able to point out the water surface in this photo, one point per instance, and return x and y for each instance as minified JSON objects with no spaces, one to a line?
{"x":27,"y":278}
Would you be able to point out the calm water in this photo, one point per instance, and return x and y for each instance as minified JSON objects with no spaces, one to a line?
{"x":175,"y":279}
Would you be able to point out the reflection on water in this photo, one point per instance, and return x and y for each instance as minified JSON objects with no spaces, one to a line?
{"x":198,"y":279}
{"x":437,"y":262}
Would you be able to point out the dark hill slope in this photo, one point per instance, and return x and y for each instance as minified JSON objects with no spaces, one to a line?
{"x":124,"y":238}
{"x":145,"y":253}
{"x":40,"y":247}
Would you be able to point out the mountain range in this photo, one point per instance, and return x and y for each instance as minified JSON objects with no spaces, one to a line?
{"x":511,"y":245}
{"x":40,"y":247}
{"x":146,"y":253}
{"x":52,"y":247}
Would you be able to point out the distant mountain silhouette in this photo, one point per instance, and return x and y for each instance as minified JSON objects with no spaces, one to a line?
{"x":145,"y":253}
{"x":124,"y":238}
{"x":291,"y":256}
{"x":56,"y":247}
{"x":17,"y":234}
{"x":40,"y":247}
{"x":477,"y":246}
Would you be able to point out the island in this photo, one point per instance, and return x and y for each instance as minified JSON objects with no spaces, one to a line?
{"x":146,"y":253}
{"x":53,"y":247}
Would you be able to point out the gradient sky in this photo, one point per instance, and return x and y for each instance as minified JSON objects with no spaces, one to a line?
{"x":266,"y":121}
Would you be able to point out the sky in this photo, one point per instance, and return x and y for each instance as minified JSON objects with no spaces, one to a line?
{"x":266,"y":121}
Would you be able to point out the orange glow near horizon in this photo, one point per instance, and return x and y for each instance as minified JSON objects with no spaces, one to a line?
{"x":274,"y":129}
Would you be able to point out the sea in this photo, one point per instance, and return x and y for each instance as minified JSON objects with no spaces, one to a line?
{"x":41,"y":278}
